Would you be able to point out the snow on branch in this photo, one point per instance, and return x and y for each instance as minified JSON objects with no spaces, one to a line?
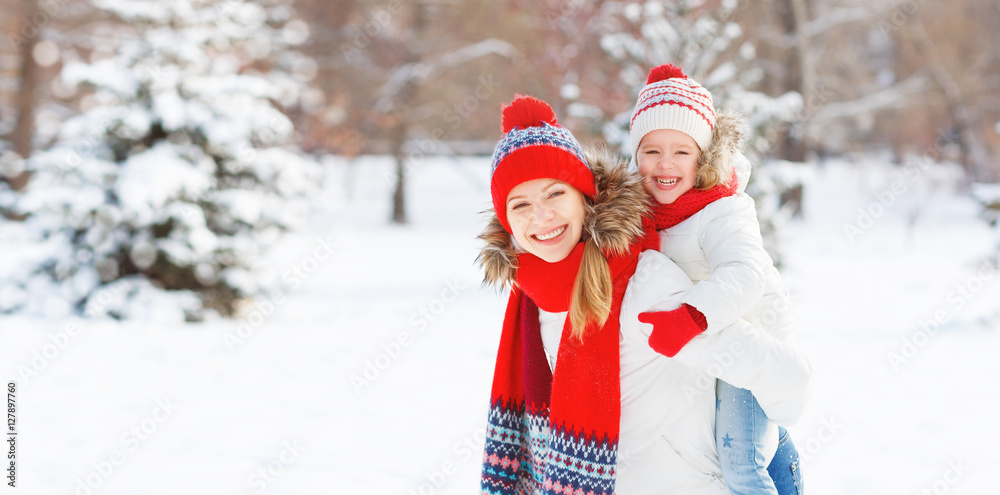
{"x":846,"y":15}
{"x":888,"y":97}
{"x":423,"y":71}
{"x":483,"y":48}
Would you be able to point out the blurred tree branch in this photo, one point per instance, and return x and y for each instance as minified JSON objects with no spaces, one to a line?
{"x":974,"y":155}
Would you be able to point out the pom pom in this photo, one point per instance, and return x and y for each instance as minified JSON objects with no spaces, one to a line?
{"x":665,"y":71}
{"x":526,"y":111}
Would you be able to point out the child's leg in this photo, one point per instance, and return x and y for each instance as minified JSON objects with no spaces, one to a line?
{"x":740,"y":425}
{"x":784,"y":468}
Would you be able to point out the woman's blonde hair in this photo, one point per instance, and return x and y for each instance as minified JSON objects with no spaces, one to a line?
{"x":591,"y":301}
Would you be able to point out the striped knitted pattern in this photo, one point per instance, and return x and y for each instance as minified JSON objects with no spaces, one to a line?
{"x":544,"y":134}
{"x":586,"y":465}
{"x":676,"y":91}
{"x":516,"y":450}
{"x":675,"y":103}
{"x":523,"y":456}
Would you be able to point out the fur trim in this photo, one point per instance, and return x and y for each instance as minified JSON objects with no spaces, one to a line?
{"x":620,"y":204}
{"x":728,"y":138}
{"x":498,"y":257}
{"x":613,"y":220}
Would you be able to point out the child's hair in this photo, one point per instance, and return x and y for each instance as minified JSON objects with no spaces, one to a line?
{"x":711,"y":172}
{"x":592,"y":291}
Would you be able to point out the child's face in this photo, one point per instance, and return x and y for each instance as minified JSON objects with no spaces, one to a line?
{"x":546,"y":217}
{"x":668,"y":163}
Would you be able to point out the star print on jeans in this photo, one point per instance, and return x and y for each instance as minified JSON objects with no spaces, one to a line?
{"x":727,"y":441}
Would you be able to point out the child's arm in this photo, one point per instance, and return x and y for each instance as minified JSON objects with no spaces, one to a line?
{"x":737,"y":261}
{"x":778,"y":374}
{"x":738,"y":264}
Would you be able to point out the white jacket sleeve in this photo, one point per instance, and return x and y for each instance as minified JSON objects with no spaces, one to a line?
{"x":737,"y":260}
{"x":779,"y":375}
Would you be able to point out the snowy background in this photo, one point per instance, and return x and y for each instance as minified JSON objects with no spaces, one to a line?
{"x":237,"y":238}
{"x":183,"y":408}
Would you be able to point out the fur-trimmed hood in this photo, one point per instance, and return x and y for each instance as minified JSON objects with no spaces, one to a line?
{"x":613,"y":220}
{"x":729,"y":136}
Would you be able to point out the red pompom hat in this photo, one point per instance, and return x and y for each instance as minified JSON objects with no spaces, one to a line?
{"x":535,"y":146}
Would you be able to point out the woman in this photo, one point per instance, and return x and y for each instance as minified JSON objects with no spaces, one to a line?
{"x":580,"y":402}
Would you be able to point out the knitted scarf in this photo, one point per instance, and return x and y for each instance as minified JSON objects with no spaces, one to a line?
{"x":555,"y":434}
{"x":689,"y":203}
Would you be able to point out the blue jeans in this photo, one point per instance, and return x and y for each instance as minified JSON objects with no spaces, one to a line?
{"x":740,"y":426}
{"x":784,"y":468}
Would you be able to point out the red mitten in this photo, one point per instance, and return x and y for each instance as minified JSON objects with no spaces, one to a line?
{"x":673,"y":329}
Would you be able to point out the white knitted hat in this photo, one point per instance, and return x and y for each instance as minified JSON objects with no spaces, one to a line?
{"x":672,"y":100}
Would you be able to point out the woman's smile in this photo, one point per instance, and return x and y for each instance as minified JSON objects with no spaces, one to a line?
{"x":550,"y":236}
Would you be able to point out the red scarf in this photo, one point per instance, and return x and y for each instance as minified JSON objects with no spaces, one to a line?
{"x":555,"y":434}
{"x":689,"y":203}
{"x":549,"y":285}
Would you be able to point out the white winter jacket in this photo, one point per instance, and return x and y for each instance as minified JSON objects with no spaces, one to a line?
{"x":667,"y":436}
{"x":721,"y":251}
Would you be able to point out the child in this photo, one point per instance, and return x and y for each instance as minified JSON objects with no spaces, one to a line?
{"x":708,"y":227}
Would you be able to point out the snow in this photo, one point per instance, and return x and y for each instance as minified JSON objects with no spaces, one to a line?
{"x":988,"y":194}
{"x":569,"y":91}
{"x":150,"y":179}
{"x":170,"y":107}
{"x":104,"y":74}
{"x":166,"y":407}
{"x":901,"y":386}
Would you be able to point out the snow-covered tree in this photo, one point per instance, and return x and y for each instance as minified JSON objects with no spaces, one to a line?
{"x":702,"y":38}
{"x":159,"y":198}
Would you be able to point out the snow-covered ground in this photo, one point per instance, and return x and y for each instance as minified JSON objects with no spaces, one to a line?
{"x":369,"y":371}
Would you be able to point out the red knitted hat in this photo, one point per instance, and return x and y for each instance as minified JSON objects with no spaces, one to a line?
{"x":535,"y":147}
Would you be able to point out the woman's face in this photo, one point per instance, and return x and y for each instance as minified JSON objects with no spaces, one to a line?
{"x":546,"y":217}
{"x":668,"y":163}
